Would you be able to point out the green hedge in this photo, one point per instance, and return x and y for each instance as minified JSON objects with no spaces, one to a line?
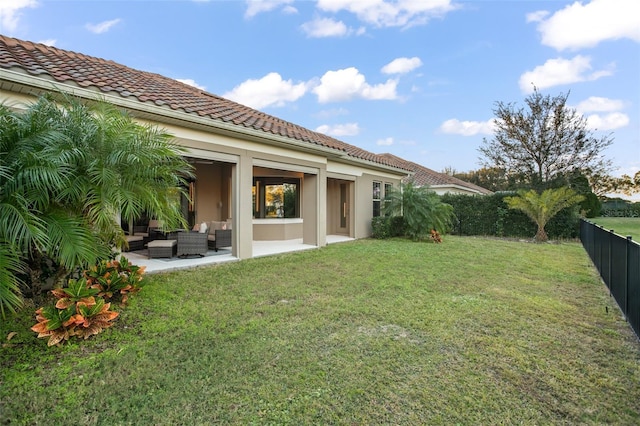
{"x":489,"y":215}
{"x":620,"y":208}
{"x":387,"y":227}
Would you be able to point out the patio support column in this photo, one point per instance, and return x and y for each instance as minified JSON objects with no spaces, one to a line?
{"x":314,"y":211}
{"x":242,"y":234}
{"x":322,"y":207}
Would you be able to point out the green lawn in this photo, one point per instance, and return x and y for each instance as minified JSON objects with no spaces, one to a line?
{"x":471,"y":331}
{"x":621,"y":225}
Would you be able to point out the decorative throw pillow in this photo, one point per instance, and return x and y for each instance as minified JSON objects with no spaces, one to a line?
{"x":224,"y":226}
{"x":196,"y":227}
{"x":203,"y":227}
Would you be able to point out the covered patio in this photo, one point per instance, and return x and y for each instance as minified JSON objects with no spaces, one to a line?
{"x":260,"y":248}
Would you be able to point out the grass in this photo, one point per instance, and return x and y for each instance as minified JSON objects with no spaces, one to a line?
{"x":621,"y":225}
{"x":471,"y":331}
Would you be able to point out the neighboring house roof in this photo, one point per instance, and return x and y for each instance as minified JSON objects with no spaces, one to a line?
{"x":423,"y":176}
{"x":50,"y":63}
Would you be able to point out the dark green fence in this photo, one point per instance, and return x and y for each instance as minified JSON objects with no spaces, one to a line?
{"x":618,"y":260}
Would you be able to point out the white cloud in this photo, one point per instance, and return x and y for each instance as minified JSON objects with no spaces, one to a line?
{"x":349,"y":83}
{"x":402,"y":65}
{"x":255,"y":7}
{"x":611,"y":121}
{"x":586,"y":25}
{"x":559,"y":71}
{"x":270,"y":90}
{"x":48,"y":42}
{"x":289,"y":10}
{"x":608,"y":115}
{"x":598,"y":104}
{"x":347,"y":129}
{"x":102,"y":27}
{"x":385,"y":142}
{"x":10,"y":13}
{"x":191,"y":82}
{"x":325,"y":27}
{"x":468,"y":128}
{"x":537,"y":16}
{"x":382,"y":13}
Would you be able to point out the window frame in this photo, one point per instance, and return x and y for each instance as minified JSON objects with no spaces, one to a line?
{"x":376,"y":194}
{"x":259,"y":197}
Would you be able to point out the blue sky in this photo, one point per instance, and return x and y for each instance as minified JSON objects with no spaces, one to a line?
{"x":418,"y":79}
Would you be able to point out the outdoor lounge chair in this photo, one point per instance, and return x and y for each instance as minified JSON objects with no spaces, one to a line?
{"x":192,"y":243}
{"x":219,"y":235}
{"x":147,"y":232}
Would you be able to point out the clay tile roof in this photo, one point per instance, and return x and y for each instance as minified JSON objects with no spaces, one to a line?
{"x":108,"y":76}
{"x":425,"y":176}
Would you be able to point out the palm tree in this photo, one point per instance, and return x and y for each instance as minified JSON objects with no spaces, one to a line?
{"x":421,"y":209}
{"x":67,"y":171}
{"x":542,"y":207}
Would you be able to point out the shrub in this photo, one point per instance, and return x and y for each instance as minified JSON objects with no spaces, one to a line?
{"x":421,"y":210}
{"x":80,"y":309}
{"x":396,"y":226}
{"x":380,"y":227}
{"x":384,"y":227}
{"x":77,"y":312}
{"x":620,"y":208}
{"x":591,"y":206}
{"x":115,"y":279}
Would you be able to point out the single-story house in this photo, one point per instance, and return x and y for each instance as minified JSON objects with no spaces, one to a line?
{"x":272,"y":179}
{"x":268,"y":178}
{"x":440,"y":183}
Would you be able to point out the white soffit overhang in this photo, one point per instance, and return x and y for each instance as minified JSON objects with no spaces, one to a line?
{"x":258,"y":162}
{"x":212,"y":155}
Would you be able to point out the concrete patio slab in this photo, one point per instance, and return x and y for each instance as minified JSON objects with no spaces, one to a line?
{"x":260,"y":249}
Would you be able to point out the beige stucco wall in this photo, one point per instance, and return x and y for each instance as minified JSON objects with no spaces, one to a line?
{"x":363,"y":205}
{"x":277,"y":229}
{"x":208,"y":192}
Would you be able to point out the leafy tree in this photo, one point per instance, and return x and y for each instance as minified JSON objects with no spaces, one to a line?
{"x":492,"y":178}
{"x":591,"y":205}
{"x":66,"y":171}
{"x":543,"y":142}
{"x":542,"y":207}
{"x":421,"y":209}
{"x":627,"y":185}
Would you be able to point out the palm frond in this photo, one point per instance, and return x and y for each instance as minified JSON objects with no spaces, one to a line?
{"x":540,"y":208}
{"x":71,"y":240}
{"x":10,"y":267}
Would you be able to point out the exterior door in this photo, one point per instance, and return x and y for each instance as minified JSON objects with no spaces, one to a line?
{"x":339,"y":194}
{"x":343,"y":207}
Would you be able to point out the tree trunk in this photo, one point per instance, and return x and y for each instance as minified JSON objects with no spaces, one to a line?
{"x":541,"y":235}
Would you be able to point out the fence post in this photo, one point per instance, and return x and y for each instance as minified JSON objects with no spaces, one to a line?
{"x":627,"y":275}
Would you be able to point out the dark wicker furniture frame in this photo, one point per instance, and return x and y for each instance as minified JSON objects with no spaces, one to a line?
{"x":192,"y":243}
{"x":169,"y":250}
{"x":223,"y":239}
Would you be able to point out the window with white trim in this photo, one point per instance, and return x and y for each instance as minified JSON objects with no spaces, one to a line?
{"x":387,"y":190}
{"x":377,"y":188}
